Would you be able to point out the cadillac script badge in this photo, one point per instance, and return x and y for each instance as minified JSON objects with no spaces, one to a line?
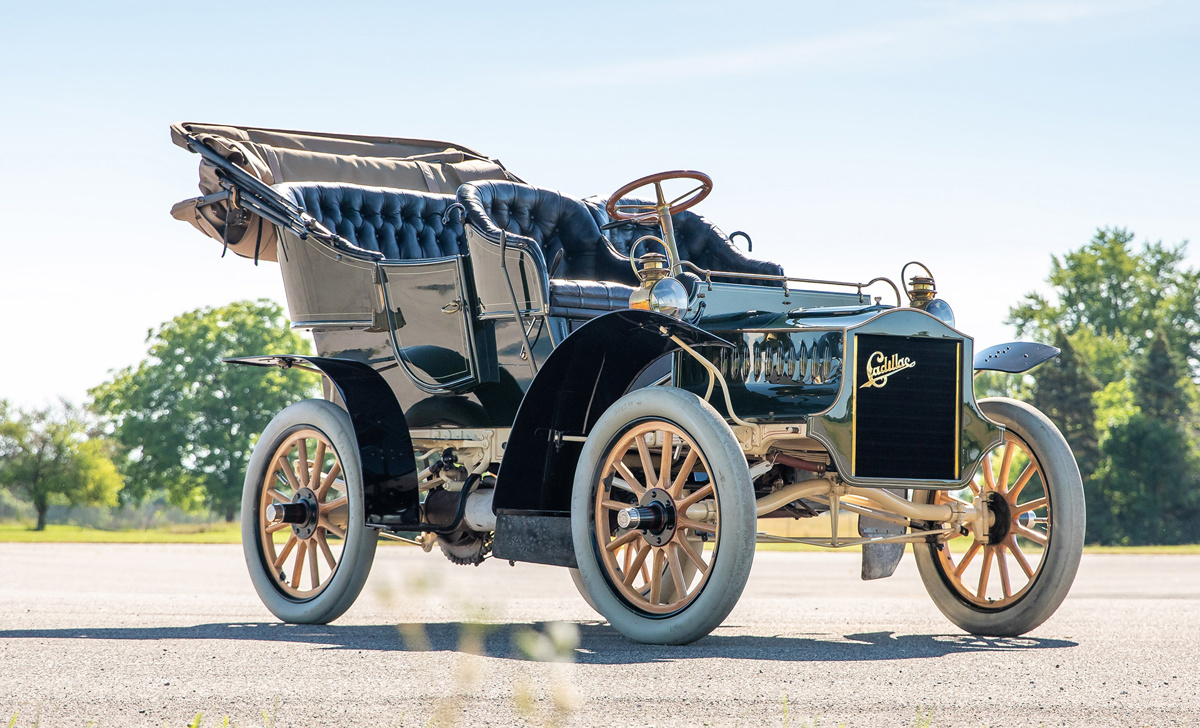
{"x":880,"y":367}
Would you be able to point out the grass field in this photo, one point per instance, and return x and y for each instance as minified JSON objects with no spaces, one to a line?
{"x":231,"y":533}
{"x":200,"y":533}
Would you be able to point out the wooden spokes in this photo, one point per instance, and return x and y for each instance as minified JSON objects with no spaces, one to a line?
{"x":302,"y":558}
{"x":996,"y":571}
{"x":659,"y":570}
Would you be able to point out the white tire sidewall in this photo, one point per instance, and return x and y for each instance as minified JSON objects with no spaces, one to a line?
{"x":1062,"y":555}
{"x":736,"y":538}
{"x":358,"y":551}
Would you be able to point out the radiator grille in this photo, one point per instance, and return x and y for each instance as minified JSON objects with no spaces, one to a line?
{"x":907,"y":402}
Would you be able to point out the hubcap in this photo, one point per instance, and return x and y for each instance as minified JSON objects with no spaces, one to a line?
{"x":655,"y":518}
{"x":307,"y":500}
{"x":1002,"y":525}
{"x":295,"y":512}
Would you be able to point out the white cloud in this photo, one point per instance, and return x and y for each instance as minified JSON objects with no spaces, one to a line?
{"x":949,"y":29}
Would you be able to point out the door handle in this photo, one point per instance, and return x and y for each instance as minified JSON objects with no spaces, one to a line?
{"x":453,"y":307}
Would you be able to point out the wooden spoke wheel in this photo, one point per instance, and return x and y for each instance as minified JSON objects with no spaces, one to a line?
{"x":304,"y":553}
{"x":662,"y":517}
{"x":660,"y":563}
{"x":1012,"y":578}
{"x":303,"y":524}
{"x":997,"y":570}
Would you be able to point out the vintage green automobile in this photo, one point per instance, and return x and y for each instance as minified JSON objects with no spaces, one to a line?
{"x":610,"y":385}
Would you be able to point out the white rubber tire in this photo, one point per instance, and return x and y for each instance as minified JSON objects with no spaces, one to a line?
{"x":358,"y":551}
{"x":738,"y":521}
{"x":1062,"y":553}
{"x":577,"y":580}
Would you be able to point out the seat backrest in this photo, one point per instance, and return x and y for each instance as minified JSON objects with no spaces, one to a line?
{"x":557,"y":223}
{"x":698,"y":240}
{"x":400,"y":224}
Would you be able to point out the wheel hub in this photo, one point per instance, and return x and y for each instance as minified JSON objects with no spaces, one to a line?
{"x":998,"y":504}
{"x":654,"y":516}
{"x":302,"y":512}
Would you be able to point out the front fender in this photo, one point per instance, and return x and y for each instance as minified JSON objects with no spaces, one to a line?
{"x":389,"y":467}
{"x":1013,"y":358}
{"x":584,"y":375}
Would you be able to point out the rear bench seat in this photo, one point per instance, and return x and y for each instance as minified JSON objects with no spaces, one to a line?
{"x":406,"y":225}
{"x":400,"y":224}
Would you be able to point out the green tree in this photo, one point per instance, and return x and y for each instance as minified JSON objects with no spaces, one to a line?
{"x":1130,"y":317}
{"x":186,"y":421}
{"x":1107,"y":355}
{"x":1161,"y":386}
{"x":1066,"y":393}
{"x":1149,"y":484}
{"x":47,"y":458}
{"x":1002,"y":384}
{"x":1113,"y":290}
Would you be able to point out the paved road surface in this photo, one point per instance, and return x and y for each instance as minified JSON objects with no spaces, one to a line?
{"x":132,"y":635}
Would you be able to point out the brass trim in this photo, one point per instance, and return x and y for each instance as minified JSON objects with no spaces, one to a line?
{"x":877,"y":377}
{"x":853,"y":405}
{"x":784,"y":280}
{"x":958,"y":405}
{"x":714,"y":377}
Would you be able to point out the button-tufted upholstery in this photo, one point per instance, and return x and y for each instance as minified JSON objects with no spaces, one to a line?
{"x":561,"y":226}
{"x":585,"y":278}
{"x":698,"y":240}
{"x":401,"y":224}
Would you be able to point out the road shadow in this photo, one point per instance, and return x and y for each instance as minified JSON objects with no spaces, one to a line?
{"x":598,"y":643}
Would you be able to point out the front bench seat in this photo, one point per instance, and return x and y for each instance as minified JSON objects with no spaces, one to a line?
{"x":699,"y":241}
{"x":583,"y":278}
{"x":583,"y":299}
{"x":400,"y":224}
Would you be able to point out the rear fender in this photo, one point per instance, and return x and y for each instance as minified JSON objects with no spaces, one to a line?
{"x":389,"y":467}
{"x":584,"y":375}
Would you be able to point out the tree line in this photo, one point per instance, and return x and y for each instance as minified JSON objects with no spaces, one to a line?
{"x":181,"y":424}
{"x":1124,"y":389}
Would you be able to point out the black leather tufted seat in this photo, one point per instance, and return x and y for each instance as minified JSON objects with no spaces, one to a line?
{"x":698,"y":240}
{"x":586,"y":299}
{"x":585,"y":278}
{"x":401,"y":224}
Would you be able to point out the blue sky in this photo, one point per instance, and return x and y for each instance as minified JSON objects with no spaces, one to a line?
{"x":847,"y":138}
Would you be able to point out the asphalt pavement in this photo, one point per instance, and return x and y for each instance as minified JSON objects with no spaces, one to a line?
{"x":151,"y":635}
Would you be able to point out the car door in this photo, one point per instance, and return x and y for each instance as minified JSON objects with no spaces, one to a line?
{"x":431,"y":325}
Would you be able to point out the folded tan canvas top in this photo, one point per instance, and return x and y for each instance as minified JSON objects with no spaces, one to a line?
{"x":276,"y":155}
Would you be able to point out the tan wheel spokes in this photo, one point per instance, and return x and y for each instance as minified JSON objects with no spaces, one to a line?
{"x":997,"y":571}
{"x":303,"y":566}
{"x":660,"y":579}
